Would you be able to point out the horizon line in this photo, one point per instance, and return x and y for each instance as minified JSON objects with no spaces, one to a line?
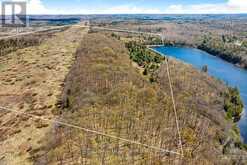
{"x":142,"y":14}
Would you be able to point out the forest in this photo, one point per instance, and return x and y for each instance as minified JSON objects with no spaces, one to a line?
{"x":226,"y":48}
{"x":227,"y":40}
{"x":117,"y":97}
{"x":105,"y":92}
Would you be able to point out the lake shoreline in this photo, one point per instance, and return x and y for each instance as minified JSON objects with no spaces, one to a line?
{"x":205,"y":50}
{"x":219,"y":69}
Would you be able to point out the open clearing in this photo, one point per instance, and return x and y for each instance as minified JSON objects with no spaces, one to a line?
{"x":31,"y":80}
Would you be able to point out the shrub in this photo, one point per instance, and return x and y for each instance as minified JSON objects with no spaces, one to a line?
{"x":205,"y":68}
{"x":145,"y":72}
{"x":233,"y":104}
{"x":143,"y":57}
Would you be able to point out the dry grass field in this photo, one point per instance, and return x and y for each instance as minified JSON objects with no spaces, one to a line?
{"x":31,"y":79}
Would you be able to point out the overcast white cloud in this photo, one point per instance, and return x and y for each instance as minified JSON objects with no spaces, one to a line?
{"x":129,"y":10}
{"x":231,"y":6}
{"x":37,"y":7}
{"x":33,"y":7}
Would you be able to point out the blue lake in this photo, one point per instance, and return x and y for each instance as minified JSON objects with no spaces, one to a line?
{"x":229,"y":73}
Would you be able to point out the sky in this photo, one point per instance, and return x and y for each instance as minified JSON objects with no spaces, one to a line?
{"x":135,"y":6}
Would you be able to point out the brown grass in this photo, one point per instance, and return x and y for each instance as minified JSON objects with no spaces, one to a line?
{"x":30,"y":81}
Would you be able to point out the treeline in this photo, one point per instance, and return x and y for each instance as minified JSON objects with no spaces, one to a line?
{"x":227,"y":48}
{"x":13,"y":44}
{"x":151,"y":40}
{"x":138,"y":53}
{"x":233,"y":104}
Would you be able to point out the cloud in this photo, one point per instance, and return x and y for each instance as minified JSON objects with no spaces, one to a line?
{"x":128,"y":10}
{"x":38,"y":7}
{"x":237,"y":3}
{"x":231,"y":7}
{"x":33,"y":7}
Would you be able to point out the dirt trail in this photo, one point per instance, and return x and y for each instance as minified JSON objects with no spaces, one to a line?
{"x":31,"y":80}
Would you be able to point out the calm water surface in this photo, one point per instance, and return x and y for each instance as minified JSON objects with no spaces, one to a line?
{"x":230,"y":74}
